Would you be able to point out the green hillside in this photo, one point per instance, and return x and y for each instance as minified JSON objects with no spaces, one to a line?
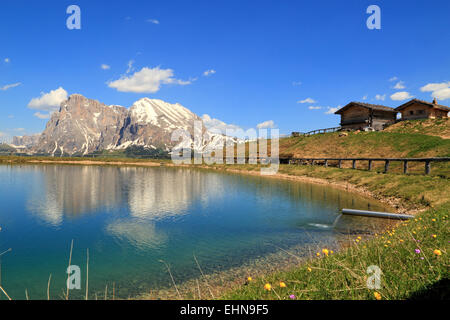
{"x":403,"y":140}
{"x":366,"y":144}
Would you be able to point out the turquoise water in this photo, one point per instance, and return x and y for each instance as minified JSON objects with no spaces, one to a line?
{"x":131,"y":218}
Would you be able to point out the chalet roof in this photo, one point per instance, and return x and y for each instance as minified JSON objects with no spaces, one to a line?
{"x":366,"y":105}
{"x":428,"y":104}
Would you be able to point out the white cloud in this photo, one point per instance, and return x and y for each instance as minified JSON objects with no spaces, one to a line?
{"x":365,"y":97}
{"x":146,"y":80}
{"x":442,"y":94}
{"x":4,"y":138}
{"x":154,"y":21}
{"x":7,"y":60}
{"x":297,"y":83}
{"x":130,"y":66}
{"x":48,"y":101}
{"x":307,"y":100}
{"x":332,"y":110}
{"x":11,"y":116}
{"x":314,"y":107}
{"x":211,"y":123}
{"x":9,"y":86}
{"x":105,"y":67}
{"x":269,"y":124}
{"x":400,"y":85}
{"x":440,"y":91}
{"x":19,"y":129}
{"x":401,"y":95}
{"x":41,"y":115}
{"x":393,"y":79}
{"x":220,"y":126}
{"x":435,"y":86}
{"x":380,"y":97}
{"x":209,"y":72}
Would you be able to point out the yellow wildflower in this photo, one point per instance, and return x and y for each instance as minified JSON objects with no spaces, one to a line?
{"x":377,"y":295}
{"x":282,"y":284}
{"x":437,"y":252}
{"x":268,"y":287}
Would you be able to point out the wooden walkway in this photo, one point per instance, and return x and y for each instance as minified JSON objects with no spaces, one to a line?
{"x":387,"y":162}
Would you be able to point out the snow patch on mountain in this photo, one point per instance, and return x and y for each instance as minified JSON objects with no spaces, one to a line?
{"x":82,"y":126}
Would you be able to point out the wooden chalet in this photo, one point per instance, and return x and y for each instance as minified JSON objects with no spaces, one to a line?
{"x":419,"y":109}
{"x":360,"y":116}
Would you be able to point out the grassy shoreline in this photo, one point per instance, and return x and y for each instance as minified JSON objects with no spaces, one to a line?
{"x":413,"y":259}
{"x":413,"y":256}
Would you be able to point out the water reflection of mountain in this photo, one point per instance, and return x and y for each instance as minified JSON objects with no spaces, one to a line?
{"x":154,"y":193}
{"x":149,"y":193}
{"x":140,"y":234}
{"x":73,"y":190}
{"x":160,"y":193}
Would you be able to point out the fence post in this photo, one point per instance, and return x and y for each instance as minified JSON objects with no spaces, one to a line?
{"x":405,"y":167}
{"x":340,"y":164}
{"x":386,"y":166}
{"x":427,"y":167}
{"x":370,"y":165}
{"x":326,"y":163}
{"x":354,"y":164}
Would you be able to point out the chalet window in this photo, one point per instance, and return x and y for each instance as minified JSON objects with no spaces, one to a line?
{"x":411,"y":112}
{"x":421,"y":112}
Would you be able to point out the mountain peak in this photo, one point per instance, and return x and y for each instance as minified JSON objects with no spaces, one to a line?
{"x":84,"y":125}
{"x":75,"y":98}
{"x":75,"y":95}
{"x":161,"y":113}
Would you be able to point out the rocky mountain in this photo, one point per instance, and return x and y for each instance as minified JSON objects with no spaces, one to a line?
{"x":82,"y":126}
{"x":150,"y":122}
{"x":26,"y":141}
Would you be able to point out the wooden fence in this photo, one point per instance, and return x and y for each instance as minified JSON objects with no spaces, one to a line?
{"x":387,"y":162}
{"x":306,"y":134}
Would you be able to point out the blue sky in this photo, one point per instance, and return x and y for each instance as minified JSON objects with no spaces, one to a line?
{"x":266,"y":56}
